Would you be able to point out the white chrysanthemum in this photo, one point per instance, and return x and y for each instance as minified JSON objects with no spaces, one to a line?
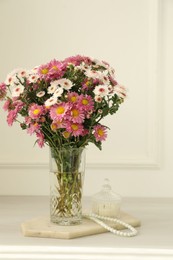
{"x":111,"y":72}
{"x":101,"y":90}
{"x":65,"y":83}
{"x":103,"y":76}
{"x":100,"y":63}
{"x":51,"y":101}
{"x":98,"y":99}
{"x":58,"y":92}
{"x":17,"y":91}
{"x":52,"y":88}
{"x":111,"y":90}
{"x":120,"y":91}
{"x":15,"y":76}
{"x":40,"y":94}
{"x":32,"y":78}
{"x":11,"y":78}
{"x":22,"y":73}
{"x":83,"y":67}
{"x":92,"y":74}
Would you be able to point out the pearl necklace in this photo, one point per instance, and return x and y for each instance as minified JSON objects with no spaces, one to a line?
{"x":98,"y":219}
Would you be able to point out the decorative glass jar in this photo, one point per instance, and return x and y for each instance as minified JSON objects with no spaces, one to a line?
{"x":106,"y":203}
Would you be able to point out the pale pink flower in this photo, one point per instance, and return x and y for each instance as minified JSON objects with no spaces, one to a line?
{"x":35,"y":111}
{"x":7,"y":104}
{"x":33,"y":128}
{"x":56,"y":69}
{"x":40,"y":139}
{"x":11,"y":117}
{"x":3,"y":91}
{"x":85,"y":102}
{"x":58,"y":124}
{"x":100,"y":132}
{"x":28,"y":120}
{"x":74,"y":128}
{"x":59,"y":111}
{"x":77,"y":60}
{"x":73,"y":97}
{"x":44,"y":71}
{"x":12,"y":114}
{"x":76,"y":115}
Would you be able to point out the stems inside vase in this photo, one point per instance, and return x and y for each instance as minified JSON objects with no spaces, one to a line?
{"x":67,"y":171}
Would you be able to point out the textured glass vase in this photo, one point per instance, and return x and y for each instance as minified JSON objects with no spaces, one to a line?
{"x":67,"y":167}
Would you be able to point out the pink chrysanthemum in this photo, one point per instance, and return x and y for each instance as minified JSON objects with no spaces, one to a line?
{"x":44,"y":71}
{"x":76,"y":115}
{"x":40,"y":139}
{"x":100,"y":132}
{"x":7,"y":105}
{"x":59,"y":111}
{"x":87,"y":84}
{"x":85,"y":102}
{"x":76,"y":60}
{"x":33,"y":128}
{"x":35,"y":111}
{"x":57,"y":124}
{"x":11,"y":117}
{"x":56,"y":69}
{"x":13,"y":108}
{"x":73,"y":97}
{"x":3,"y":90}
{"x":75,"y":129}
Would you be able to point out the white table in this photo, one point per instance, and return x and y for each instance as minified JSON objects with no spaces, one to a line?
{"x":154,"y":241}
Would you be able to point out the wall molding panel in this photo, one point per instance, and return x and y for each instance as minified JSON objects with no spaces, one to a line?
{"x":153,"y":144}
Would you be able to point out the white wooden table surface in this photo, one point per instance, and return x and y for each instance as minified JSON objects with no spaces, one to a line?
{"x":154,"y":241}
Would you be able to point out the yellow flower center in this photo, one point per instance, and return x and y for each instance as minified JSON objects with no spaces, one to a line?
{"x":85,"y":102}
{"x":66,"y":134}
{"x":44,"y":71}
{"x":53,"y":126}
{"x":75,"y":112}
{"x":36,"y":111}
{"x":73,"y":99}
{"x":74,"y":127}
{"x":60,"y":110}
{"x":55,"y":68}
{"x":100,"y":132}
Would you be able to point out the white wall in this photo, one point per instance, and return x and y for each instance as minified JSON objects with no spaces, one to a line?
{"x":135,"y":37}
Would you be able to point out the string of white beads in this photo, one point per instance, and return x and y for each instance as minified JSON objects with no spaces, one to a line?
{"x":100,"y":220}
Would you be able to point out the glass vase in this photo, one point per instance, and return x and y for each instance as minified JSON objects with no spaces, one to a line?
{"x":67,"y":167}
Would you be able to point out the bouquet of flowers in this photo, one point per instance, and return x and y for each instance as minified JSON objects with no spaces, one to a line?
{"x":63,"y":102}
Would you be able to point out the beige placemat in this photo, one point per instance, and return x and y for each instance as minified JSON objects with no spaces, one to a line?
{"x":42,"y":227}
